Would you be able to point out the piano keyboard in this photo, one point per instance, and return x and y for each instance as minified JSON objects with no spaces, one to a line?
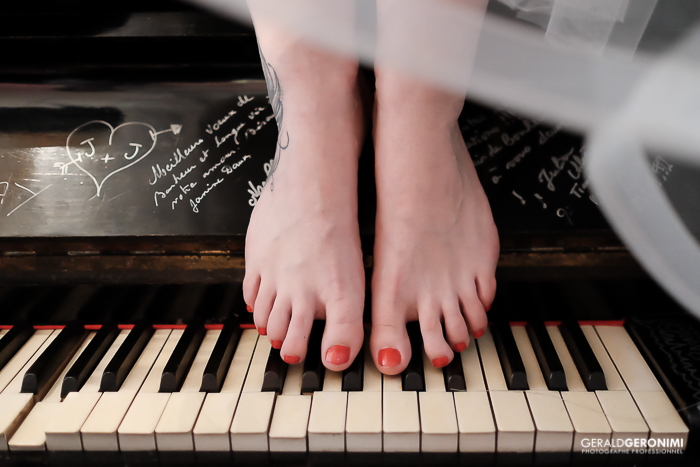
{"x":522,"y":387}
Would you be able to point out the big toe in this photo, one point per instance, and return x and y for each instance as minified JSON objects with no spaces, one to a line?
{"x":343,"y":337}
{"x":389,"y":343}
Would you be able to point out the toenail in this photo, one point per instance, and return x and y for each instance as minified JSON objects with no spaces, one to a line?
{"x":262,"y":331}
{"x":440,"y":362}
{"x":487,"y":307}
{"x":276,"y":344}
{"x":461,"y":346}
{"x":291,"y":359}
{"x":389,"y":357}
{"x":250,"y":310}
{"x":338,"y":354}
{"x":478,"y":334}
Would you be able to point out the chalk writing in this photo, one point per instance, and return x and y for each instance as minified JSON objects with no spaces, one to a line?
{"x":233,"y":133}
{"x":194,"y":203}
{"x":219,"y":123}
{"x":549,"y":175}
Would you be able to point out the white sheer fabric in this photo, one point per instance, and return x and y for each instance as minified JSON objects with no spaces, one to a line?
{"x":582,"y":72}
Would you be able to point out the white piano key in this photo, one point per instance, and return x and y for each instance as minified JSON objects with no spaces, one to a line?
{"x":477,"y":431}
{"x":587,"y":417}
{"x":473,"y":376}
{"x":392,"y":383}
{"x":290,"y":420}
{"x":328,"y":414}
{"x":574,"y":383}
{"x":516,"y":431}
{"x":665,"y":425}
{"x":14,"y":408}
{"x":622,"y":414}
{"x":434,"y":379}
{"x":175,"y":427}
{"x":31,"y":434}
{"x":612,"y":379}
{"x":251,"y":421}
{"x":401,"y":421}
{"x":554,"y":430}
{"x":48,"y":335}
{"x":63,"y":430}
{"x":363,"y":426}
{"x":137,"y":430}
{"x":438,"y":419}
{"x":211,"y":432}
{"x":3,"y":332}
{"x":99,"y":432}
{"x":634,"y":370}
{"x":495,"y":381}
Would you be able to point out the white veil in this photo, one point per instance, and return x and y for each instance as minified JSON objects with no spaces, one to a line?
{"x":586,"y":71}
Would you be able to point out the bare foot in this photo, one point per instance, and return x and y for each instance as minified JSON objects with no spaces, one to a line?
{"x":436,"y":245}
{"x":303,"y":256}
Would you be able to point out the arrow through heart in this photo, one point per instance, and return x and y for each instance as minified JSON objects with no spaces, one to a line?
{"x":101,"y":151}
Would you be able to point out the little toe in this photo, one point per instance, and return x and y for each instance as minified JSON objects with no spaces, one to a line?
{"x":343,"y":336}
{"x":486,"y":290}
{"x":474,"y":313}
{"x":251,"y":285}
{"x":389,"y":343}
{"x":455,"y":327}
{"x":295,"y":342}
{"x":278,"y":322}
{"x":436,"y":347}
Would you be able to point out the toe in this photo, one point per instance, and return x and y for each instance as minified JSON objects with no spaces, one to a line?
{"x":486,"y":290}
{"x":295,"y":342}
{"x":474,"y":313}
{"x":436,"y":347}
{"x":251,"y":285}
{"x":343,"y":336}
{"x":389,"y":342}
{"x":455,"y":327}
{"x":263,"y":306}
{"x":278,"y":322}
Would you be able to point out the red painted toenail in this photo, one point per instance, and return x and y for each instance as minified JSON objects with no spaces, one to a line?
{"x":487,"y":307}
{"x":247,"y":307}
{"x":262,"y":331}
{"x":276,"y":344}
{"x":461,"y":346}
{"x":338,"y":354}
{"x":440,"y":362}
{"x":478,"y":334}
{"x":389,"y":357}
{"x":291,"y":359}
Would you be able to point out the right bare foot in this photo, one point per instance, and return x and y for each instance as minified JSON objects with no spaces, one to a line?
{"x":303,"y":255}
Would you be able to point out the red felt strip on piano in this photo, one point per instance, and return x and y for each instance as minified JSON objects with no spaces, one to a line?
{"x":213,"y":327}
{"x":93,"y":327}
{"x":608,"y":322}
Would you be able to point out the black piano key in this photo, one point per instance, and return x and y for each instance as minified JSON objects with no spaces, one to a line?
{"x":581,"y":352}
{"x":353,"y":376}
{"x":123,"y":361}
{"x":275,"y":371}
{"x":454,"y":374}
{"x":45,"y":369}
{"x":551,"y":366}
{"x":220,"y":359}
{"x":508,"y":353}
{"x":13,"y":340}
{"x":85,"y":364}
{"x":312,"y":377}
{"x":413,"y":378}
{"x":181,"y":359}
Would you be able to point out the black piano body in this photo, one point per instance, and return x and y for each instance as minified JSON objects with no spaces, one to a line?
{"x":186,"y":88}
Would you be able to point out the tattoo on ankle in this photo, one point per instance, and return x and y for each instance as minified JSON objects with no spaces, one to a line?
{"x":274,"y":90}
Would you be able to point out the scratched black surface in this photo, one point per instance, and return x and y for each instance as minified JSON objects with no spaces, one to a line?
{"x":53,"y":183}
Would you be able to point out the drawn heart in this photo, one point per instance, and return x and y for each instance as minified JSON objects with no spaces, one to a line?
{"x":101,"y":151}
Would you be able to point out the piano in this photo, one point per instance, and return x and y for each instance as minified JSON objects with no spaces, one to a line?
{"x":123,"y":334}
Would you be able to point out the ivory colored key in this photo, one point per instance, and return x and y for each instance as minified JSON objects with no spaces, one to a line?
{"x":615,"y":383}
{"x":438,"y":419}
{"x":584,"y":410}
{"x":363,"y":427}
{"x":137,"y":430}
{"x":401,"y":420}
{"x":327,"y":419}
{"x":290,"y":420}
{"x":174,"y":430}
{"x":63,"y":431}
{"x":31,"y":434}
{"x":254,"y":412}
{"x":211,"y":432}
{"x":554,"y":430}
{"x":658,"y":411}
{"x":477,"y":430}
{"x":15,"y":406}
{"x":99,"y":433}
{"x":516,"y":431}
